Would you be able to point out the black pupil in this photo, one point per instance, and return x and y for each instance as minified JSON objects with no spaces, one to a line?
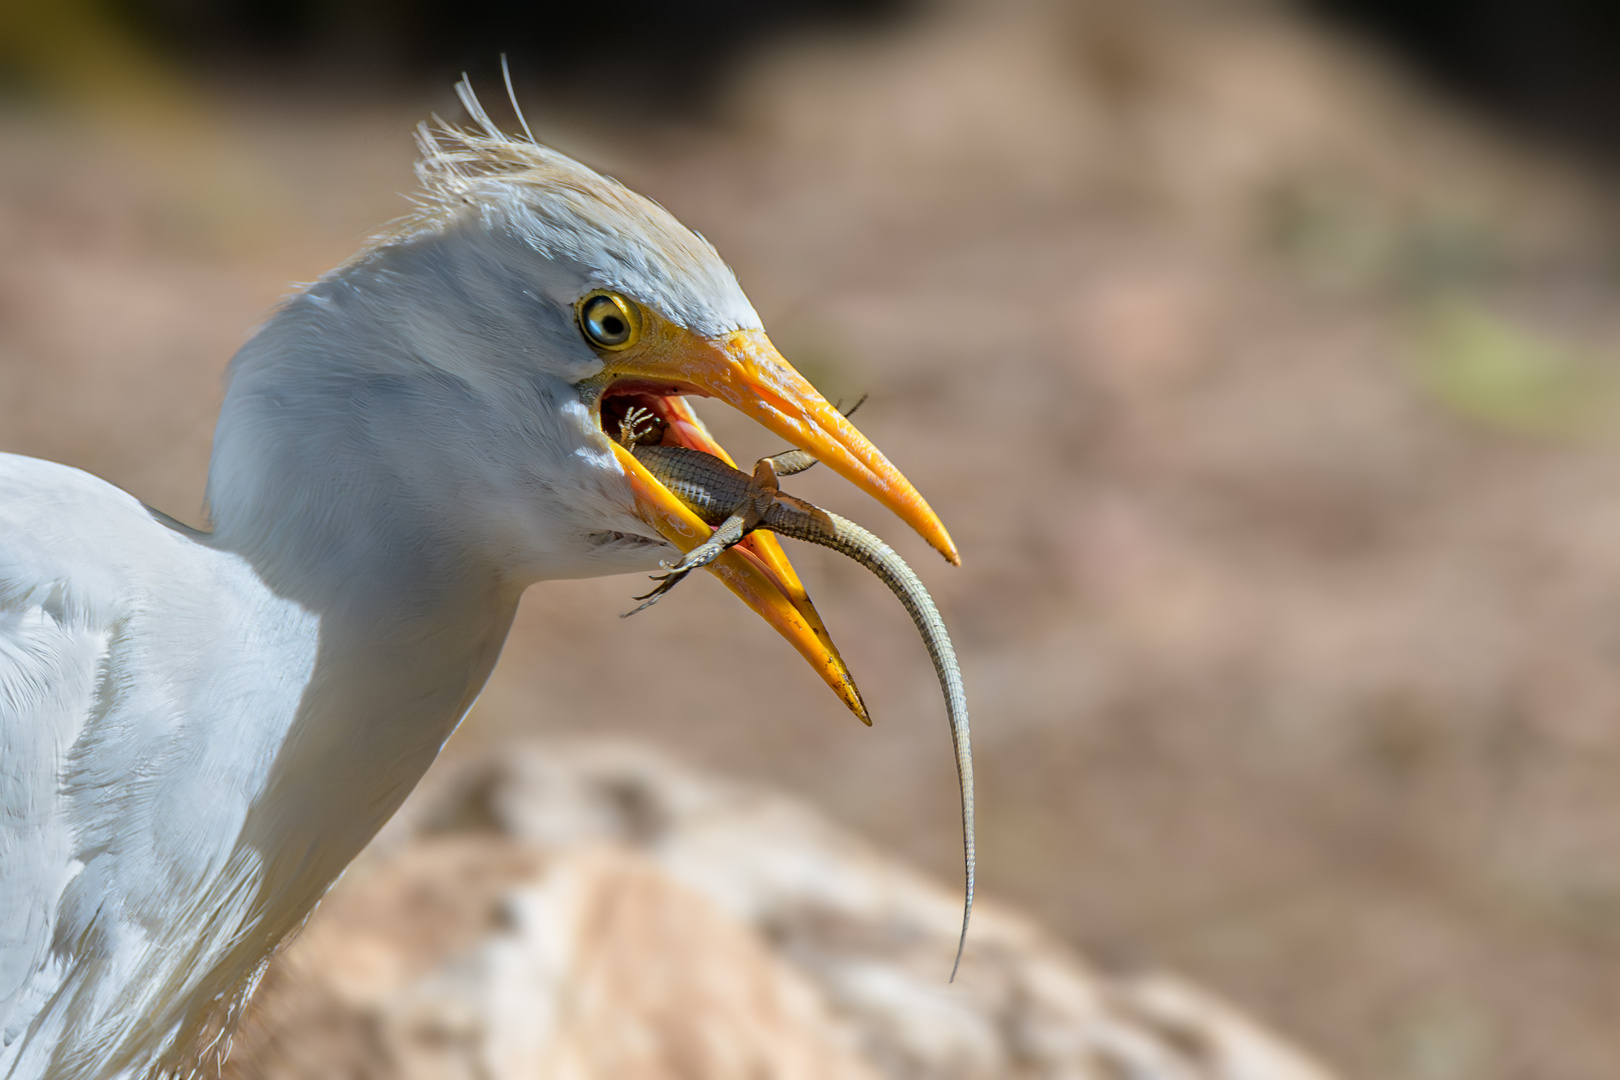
{"x":612,"y":326}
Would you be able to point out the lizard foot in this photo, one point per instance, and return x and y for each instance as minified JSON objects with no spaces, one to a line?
{"x":762,"y":491}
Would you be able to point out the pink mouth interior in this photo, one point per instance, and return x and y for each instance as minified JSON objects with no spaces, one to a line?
{"x":673,"y":415}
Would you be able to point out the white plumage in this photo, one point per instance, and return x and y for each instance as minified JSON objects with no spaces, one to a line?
{"x":139,"y":717}
{"x":199,"y":731}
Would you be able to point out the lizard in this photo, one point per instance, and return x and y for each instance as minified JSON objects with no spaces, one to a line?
{"x":735,"y":504}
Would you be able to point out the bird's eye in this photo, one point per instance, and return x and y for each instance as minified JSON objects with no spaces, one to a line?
{"x":609,"y":321}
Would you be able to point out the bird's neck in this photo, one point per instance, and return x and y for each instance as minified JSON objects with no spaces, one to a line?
{"x":332,"y":482}
{"x":380,"y":703}
{"x":411,"y":622}
{"x":383,"y":695}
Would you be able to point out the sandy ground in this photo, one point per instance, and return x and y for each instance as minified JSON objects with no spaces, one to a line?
{"x":1272,"y":406}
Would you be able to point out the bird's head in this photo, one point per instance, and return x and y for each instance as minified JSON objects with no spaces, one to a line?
{"x":480,"y":356}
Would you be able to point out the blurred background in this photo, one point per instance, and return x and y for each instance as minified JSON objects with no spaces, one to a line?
{"x":1263,"y":358}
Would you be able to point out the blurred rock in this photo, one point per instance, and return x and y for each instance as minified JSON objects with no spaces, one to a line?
{"x":594,"y":911}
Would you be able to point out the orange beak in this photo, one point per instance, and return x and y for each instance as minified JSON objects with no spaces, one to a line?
{"x":744,"y":370}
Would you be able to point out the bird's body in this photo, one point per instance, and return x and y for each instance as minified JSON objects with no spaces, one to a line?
{"x":198,"y":731}
{"x":139,"y":722}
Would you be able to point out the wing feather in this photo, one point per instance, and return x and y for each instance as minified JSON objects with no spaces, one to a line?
{"x":54,"y":628}
{"x":132,"y":721}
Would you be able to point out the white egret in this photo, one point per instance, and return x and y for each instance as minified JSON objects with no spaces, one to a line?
{"x":198,"y":731}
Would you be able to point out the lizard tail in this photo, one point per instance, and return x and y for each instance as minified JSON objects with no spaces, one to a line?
{"x":799,"y":519}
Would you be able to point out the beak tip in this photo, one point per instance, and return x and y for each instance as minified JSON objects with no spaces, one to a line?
{"x":850,"y":694}
{"x":941,"y":542}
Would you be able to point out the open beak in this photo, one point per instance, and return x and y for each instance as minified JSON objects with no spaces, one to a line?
{"x":744,"y":370}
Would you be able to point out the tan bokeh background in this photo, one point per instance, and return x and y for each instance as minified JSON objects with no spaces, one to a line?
{"x":1272,"y":403}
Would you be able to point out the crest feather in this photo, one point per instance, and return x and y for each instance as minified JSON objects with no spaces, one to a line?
{"x":479,"y":164}
{"x":478,"y":173}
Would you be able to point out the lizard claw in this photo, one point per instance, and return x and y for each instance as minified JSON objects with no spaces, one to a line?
{"x":666,"y":582}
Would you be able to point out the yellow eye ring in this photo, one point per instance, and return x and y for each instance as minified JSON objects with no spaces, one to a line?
{"x":608,"y":320}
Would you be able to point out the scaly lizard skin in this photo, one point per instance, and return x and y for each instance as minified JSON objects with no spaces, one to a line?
{"x":736,"y":504}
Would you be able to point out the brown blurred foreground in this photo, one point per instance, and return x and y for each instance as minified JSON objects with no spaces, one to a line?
{"x":1276,"y":410}
{"x":593,"y":912}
